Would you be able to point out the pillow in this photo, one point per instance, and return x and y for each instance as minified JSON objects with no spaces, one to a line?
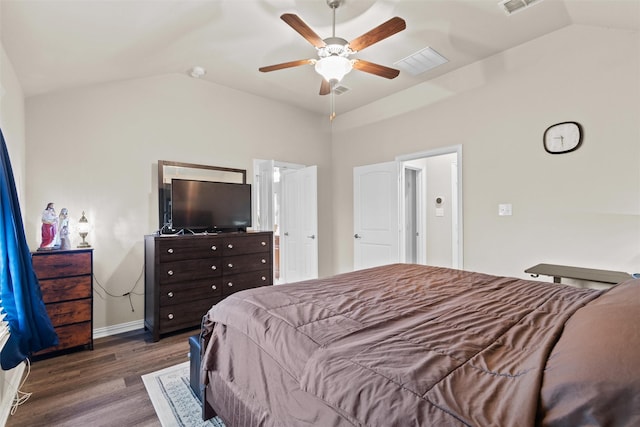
{"x":592,"y":377}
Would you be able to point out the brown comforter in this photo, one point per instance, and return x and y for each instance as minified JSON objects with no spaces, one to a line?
{"x":400,"y":345}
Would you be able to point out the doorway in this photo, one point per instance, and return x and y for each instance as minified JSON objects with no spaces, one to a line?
{"x":432,"y":207}
{"x":285,"y":202}
{"x":413,"y":214}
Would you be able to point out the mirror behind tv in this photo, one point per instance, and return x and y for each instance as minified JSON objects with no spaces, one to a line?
{"x":208,"y":198}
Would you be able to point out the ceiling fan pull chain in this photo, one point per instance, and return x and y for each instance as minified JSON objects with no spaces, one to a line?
{"x":332,"y":106}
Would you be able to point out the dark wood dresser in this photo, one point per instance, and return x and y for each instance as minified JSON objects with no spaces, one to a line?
{"x":186,"y":275}
{"x":66,"y":281}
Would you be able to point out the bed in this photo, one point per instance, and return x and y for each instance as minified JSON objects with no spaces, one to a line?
{"x":409,"y":345}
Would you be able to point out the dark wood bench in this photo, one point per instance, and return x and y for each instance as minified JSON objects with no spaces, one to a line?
{"x":593,"y":275}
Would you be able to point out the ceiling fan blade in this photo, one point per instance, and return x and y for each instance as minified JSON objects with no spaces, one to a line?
{"x":325,"y":87}
{"x":286,"y":65}
{"x":303,"y":29}
{"x":377,"y":69}
{"x":381,"y":32}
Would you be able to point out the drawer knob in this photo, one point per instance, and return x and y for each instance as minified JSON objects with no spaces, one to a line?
{"x":230,"y":284}
{"x":170,"y":272}
{"x":170,"y":316}
{"x":213,"y":248}
{"x":213,"y":267}
{"x":170,"y":250}
{"x":230,"y":265}
{"x":264,"y":278}
{"x":263,"y":243}
{"x":170,"y":294}
{"x":214,"y":287}
{"x":230,"y":246}
{"x":264,"y":261}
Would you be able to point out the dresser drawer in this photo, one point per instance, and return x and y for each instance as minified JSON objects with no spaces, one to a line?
{"x":180,"y":316}
{"x":71,"y":336}
{"x":185,"y":247}
{"x":64,"y":313}
{"x":246,"y":244}
{"x":241,"y":281}
{"x":62,"y":264}
{"x":181,"y":271}
{"x":178,"y":293}
{"x":68,"y":288}
{"x":242,"y":263}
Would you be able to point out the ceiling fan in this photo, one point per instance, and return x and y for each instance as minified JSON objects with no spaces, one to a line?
{"x":333,"y":61}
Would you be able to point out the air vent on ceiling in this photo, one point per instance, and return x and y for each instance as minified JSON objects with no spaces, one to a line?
{"x":513,"y":6}
{"x":340,"y":89}
{"x":421,"y":61}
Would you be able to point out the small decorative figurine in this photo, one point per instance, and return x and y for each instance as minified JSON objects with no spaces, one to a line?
{"x":49,"y":228}
{"x":63,"y":229}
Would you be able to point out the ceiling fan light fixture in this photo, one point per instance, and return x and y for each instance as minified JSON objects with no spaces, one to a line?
{"x":333,"y":61}
{"x":333,"y":68}
{"x":335,"y":46}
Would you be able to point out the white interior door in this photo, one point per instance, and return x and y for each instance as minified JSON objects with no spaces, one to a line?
{"x":376,"y":215}
{"x":299,"y":222}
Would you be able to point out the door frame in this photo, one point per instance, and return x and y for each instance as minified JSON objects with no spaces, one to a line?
{"x":254,"y":194}
{"x":419,"y":204}
{"x":455,"y":149}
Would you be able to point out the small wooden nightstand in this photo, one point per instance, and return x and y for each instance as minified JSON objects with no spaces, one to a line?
{"x":66,"y":281}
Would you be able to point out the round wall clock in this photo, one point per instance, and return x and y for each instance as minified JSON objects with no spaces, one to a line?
{"x":562,"y":137}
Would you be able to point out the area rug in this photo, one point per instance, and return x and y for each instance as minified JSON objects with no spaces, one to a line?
{"x":175,"y":403}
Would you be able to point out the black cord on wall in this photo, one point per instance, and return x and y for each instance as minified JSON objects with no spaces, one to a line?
{"x":126,"y":294}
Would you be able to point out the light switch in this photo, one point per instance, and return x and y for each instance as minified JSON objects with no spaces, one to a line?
{"x":505,"y":209}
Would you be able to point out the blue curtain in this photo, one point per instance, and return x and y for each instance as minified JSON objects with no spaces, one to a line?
{"x":29,"y":324}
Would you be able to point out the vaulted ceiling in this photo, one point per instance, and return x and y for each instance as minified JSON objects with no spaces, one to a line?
{"x":60,"y":44}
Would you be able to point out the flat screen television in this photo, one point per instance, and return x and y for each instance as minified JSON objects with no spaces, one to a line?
{"x":210,"y":206}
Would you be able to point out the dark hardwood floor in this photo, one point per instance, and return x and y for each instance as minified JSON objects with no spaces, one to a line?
{"x":99,"y":387}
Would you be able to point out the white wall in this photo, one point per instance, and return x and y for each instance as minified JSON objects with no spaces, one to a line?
{"x":96,"y":149}
{"x":581,"y":208}
{"x":12,"y":121}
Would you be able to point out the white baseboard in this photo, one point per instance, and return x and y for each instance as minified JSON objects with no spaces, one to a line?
{"x":118,"y":329}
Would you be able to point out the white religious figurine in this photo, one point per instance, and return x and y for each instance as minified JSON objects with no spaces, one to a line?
{"x":49,"y":227}
{"x":63,"y":229}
